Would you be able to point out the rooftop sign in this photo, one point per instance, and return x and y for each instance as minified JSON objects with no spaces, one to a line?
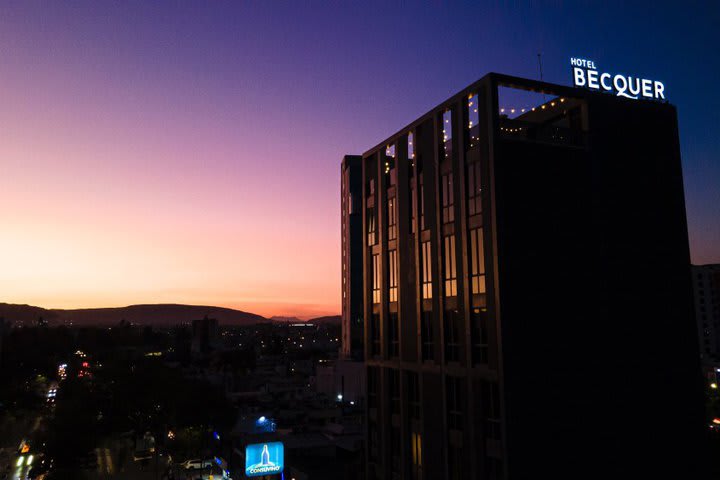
{"x":264,"y":459}
{"x":585,"y":74}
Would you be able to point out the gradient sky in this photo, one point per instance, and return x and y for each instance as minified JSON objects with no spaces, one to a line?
{"x":189,"y":151}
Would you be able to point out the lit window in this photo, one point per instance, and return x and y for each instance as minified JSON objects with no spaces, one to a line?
{"x":477,"y":261}
{"x":426,"y":270}
{"x":416,"y":454}
{"x":450,"y":267}
{"x":393,"y":275}
{"x":376,"y":278}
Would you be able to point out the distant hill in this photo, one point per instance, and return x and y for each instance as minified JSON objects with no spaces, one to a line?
{"x":159,"y":315}
{"x":279,"y":319}
{"x":328,"y":320}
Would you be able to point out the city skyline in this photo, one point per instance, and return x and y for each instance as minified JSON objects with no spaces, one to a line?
{"x":190,"y":155}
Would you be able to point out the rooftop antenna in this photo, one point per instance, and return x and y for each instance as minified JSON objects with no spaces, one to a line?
{"x":540,"y":65}
{"x":539,"y":55}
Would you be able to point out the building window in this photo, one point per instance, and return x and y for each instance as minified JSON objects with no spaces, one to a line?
{"x":371,"y":226}
{"x":426,"y":259}
{"x":455,"y":459}
{"x":454,"y":397}
{"x":395,"y":453}
{"x":478,"y":325}
{"x":373,"y":385}
{"x":394,"y":335}
{"x":394,"y":379}
{"x":411,"y":148}
{"x":452,"y":335}
{"x":490,"y":400}
{"x":448,"y":211}
{"x":416,"y":447}
{"x":422,"y":202}
{"x":477,"y":261}
{"x":392,"y":218}
{"x":450,"y":267}
{"x":392,"y":276}
{"x":473,"y":120}
{"x":375,"y":334}
{"x":447,"y":134}
{"x":413,"y":206}
{"x":494,"y":468}
{"x":376,"y":278}
{"x":474,"y":189}
{"x":373,"y":442}
{"x":413,"y":389}
{"x":426,"y":332}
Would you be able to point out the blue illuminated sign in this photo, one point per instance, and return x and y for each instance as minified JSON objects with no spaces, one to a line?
{"x":264,"y":459}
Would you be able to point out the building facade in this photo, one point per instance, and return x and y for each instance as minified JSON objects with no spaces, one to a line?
{"x":506,"y":334}
{"x":352,"y":257}
{"x":706,"y":287}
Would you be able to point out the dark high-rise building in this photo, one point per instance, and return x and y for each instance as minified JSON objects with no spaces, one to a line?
{"x":352,"y":257}
{"x":706,"y":285}
{"x":526,"y":285}
{"x":204,"y":335}
{"x":2,"y":334}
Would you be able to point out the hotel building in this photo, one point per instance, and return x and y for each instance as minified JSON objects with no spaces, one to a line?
{"x":526,"y":289}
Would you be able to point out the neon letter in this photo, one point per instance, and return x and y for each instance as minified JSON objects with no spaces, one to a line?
{"x":592,"y":79}
{"x":579,"y":75}
{"x":659,"y":89}
{"x":604,"y":77}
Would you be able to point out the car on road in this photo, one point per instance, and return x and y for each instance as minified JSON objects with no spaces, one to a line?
{"x":196,"y":464}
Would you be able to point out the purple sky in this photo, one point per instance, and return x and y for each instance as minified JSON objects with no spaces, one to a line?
{"x":189,"y":151}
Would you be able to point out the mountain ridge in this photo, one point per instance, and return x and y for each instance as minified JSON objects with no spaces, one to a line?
{"x":159,"y":314}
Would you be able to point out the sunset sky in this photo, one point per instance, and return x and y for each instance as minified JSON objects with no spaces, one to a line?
{"x":189,"y":152}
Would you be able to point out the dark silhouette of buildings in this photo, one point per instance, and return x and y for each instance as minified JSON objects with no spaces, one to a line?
{"x":706,"y":285}
{"x":352,"y":257}
{"x":2,"y":335}
{"x":204,"y":335}
{"x":526,"y":290}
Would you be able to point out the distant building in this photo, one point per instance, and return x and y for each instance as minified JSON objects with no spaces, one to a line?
{"x":527,"y":305}
{"x":706,"y":287}
{"x":352,"y":257}
{"x":204,"y":335}
{"x":2,"y":336}
{"x":342,"y":380}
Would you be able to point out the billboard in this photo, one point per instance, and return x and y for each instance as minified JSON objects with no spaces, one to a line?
{"x":264,"y":459}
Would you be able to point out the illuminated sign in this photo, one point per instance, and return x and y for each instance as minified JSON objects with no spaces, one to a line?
{"x":586,"y":74}
{"x":264,"y":459}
